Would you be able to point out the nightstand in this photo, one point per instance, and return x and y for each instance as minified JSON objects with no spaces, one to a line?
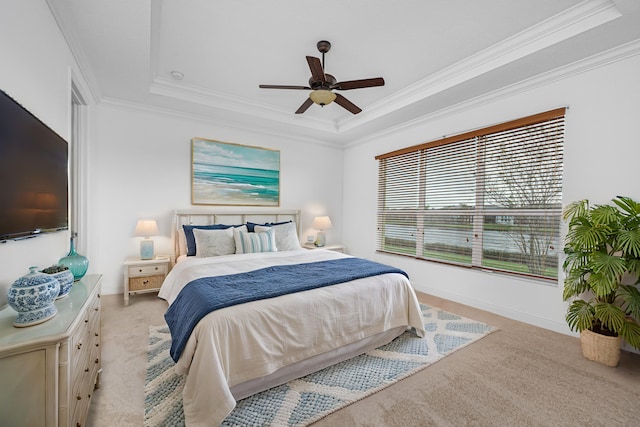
{"x":141,"y":276}
{"x":332,"y":247}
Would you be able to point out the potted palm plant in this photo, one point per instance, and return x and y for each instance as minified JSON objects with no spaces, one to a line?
{"x":602,"y":267}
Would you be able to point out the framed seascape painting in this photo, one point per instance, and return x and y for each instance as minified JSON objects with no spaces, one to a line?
{"x":223,"y":173}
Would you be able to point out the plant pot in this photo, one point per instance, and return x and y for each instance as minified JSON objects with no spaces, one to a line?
{"x":600,"y":348}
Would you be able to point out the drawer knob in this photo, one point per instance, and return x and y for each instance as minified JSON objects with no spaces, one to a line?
{"x":79,"y":397}
{"x":97,"y":308}
{"x":146,"y":282}
{"x":156,"y":268}
{"x":97,"y":360}
{"x":86,"y":369}
{"x":140,"y":270}
{"x":79,"y":346}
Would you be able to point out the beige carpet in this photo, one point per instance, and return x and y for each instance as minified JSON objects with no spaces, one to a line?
{"x":520,"y":375}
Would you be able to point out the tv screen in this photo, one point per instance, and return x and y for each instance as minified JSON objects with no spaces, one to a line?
{"x":33,"y":174}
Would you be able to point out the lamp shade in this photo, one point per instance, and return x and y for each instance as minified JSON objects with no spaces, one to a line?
{"x":321,"y":223}
{"x":147,"y":228}
{"x":322,"y":97}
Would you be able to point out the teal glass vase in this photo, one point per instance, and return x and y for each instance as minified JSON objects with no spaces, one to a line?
{"x":77,"y":263}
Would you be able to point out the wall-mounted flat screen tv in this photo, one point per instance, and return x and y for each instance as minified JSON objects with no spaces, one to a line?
{"x":34,"y":178}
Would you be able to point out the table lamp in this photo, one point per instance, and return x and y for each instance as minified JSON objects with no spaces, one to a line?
{"x":146,"y":228}
{"x":321,"y":223}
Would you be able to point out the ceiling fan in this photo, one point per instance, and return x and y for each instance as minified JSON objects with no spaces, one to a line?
{"x":322,"y":85}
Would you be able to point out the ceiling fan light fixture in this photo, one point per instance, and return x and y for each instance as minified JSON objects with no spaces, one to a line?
{"x":322,"y":97}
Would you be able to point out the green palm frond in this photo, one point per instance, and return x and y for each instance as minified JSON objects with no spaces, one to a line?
{"x":633,"y":264}
{"x":629,"y":242}
{"x":610,"y":266}
{"x":630,"y":296}
{"x":580,"y":315}
{"x":579,"y":208}
{"x":585,"y":235}
{"x":576,"y":260}
{"x":605,"y":215}
{"x":601,"y":285}
{"x":574,"y":286}
{"x":610,"y":315}
{"x":627,"y":205}
{"x":630,"y":331}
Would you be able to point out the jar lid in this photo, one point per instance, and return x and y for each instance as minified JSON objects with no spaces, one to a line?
{"x":34,"y":278}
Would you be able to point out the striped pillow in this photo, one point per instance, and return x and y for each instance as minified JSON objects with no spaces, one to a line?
{"x":254,"y":242}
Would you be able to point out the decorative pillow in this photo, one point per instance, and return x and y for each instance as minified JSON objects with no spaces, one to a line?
{"x":214,"y":242}
{"x":254,"y":242}
{"x":251,"y":225}
{"x":286,"y":235}
{"x":191,"y":241}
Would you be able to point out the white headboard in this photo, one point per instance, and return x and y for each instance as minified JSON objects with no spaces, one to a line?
{"x":231,"y":217}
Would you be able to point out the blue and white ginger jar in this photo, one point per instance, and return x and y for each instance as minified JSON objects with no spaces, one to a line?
{"x":65,"y":278}
{"x":32,"y":296}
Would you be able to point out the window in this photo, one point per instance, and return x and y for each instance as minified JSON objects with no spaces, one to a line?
{"x":489,"y":199}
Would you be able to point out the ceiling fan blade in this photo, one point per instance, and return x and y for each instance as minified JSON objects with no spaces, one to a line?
{"x":305,"y":105}
{"x":346,"y":104}
{"x":317,"y":73}
{"x":284,"y":87}
{"x":358,"y":84}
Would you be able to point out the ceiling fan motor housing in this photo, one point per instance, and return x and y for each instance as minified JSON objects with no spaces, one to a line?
{"x":329,"y":81}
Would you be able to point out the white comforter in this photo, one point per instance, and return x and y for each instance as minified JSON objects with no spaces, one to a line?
{"x":248,"y":341}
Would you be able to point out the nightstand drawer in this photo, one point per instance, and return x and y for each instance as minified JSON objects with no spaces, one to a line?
{"x":146,"y":282}
{"x":147,"y":270}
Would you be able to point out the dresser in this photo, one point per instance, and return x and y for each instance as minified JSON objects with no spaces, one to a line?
{"x":48,"y":371}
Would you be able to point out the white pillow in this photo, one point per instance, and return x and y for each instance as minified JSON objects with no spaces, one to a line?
{"x":286,"y":235}
{"x":214,"y":242}
{"x":254,"y":242}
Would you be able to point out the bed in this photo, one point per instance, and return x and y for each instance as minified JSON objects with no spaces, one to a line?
{"x":330,"y":308}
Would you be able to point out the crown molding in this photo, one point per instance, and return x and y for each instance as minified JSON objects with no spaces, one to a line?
{"x":198,"y":95}
{"x":616,"y":54}
{"x":205,"y":118}
{"x":84,"y":68}
{"x":571,"y":22}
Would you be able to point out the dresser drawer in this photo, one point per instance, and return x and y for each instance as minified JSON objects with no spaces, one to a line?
{"x":145,"y":283}
{"x":147,"y":270}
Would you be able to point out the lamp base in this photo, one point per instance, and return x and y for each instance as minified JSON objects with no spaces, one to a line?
{"x":321,"y":240}
{"x":146,"y":249}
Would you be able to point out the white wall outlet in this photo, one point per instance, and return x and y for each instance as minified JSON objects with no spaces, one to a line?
{"x":309,"y":239}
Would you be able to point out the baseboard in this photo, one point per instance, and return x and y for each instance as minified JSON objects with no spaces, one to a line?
{"x":560,"y":327}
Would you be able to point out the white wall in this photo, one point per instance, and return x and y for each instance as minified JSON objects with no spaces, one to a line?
{"x":35,"y":71}
{"x":600,"y":161}
{"x":141,"y":167}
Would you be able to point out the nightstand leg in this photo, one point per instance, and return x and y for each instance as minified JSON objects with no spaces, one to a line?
{"x":126,"y":287}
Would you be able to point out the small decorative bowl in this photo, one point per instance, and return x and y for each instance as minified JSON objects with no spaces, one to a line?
{"x":65,"y":278}
{"x":32,"y":296}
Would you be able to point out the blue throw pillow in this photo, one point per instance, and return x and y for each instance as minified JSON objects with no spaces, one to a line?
{"x":191,"y":240}
{"x":251,"y":225}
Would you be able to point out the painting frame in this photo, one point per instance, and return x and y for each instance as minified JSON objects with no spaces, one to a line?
{"x":230,"y":174}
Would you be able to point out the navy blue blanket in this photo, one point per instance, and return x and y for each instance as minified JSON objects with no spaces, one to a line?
{"x":202,"y":296}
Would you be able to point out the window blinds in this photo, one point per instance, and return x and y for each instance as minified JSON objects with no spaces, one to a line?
{"x":490,"y":198}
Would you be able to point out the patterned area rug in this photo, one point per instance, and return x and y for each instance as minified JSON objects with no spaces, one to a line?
{"x":303,"y":401}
